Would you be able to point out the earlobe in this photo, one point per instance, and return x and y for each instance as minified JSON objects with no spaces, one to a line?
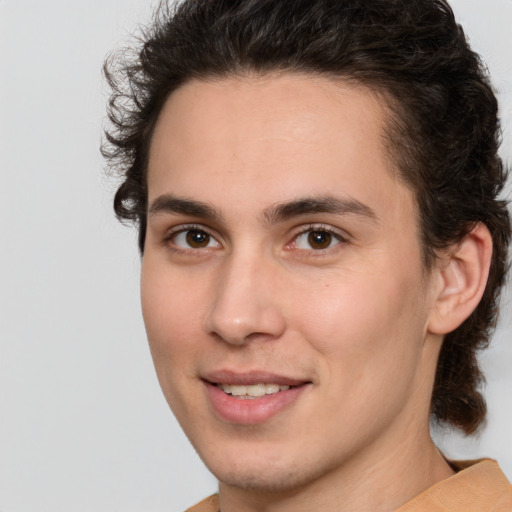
{"x":462,"y":276}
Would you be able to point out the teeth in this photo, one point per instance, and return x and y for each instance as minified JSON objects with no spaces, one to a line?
{"x":256,"y":390}
{"x":238,"y":390}
{"x":270,"y":389}
{"x":253,"y":390}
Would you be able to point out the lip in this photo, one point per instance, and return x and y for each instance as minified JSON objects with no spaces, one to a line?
{"x":251,"y":411}
{"x":251,"y":377}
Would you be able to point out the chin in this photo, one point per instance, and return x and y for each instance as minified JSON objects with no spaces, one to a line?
{"x":265,"y":476}
{"x":266,"y":480}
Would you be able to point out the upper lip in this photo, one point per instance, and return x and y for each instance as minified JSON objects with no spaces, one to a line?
{"x":251,"y":377}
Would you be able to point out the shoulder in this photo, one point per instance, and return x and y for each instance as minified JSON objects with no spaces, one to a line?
{"x":479,"y":486}
{"x":210,"y":504}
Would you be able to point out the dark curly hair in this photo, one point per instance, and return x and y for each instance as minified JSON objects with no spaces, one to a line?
{"x":443,"y":133}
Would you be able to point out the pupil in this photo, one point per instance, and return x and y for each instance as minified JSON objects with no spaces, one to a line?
{"x":319,"y":239}
{"x":197,"y":238}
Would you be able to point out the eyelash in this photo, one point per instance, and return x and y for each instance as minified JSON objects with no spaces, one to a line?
{"x":311,"y":228}
{"x":319,"y":228}
{"x":171,"y":235}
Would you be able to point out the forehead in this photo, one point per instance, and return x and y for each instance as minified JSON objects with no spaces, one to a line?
{"x":281,"y":108}
{"x":287,"y":134}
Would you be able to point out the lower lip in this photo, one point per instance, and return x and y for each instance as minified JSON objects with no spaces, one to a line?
{"x":251,"y":411}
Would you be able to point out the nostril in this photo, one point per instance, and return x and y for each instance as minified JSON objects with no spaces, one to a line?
{"x":254,"y":322}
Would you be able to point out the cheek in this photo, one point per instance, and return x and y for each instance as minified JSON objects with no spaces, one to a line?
{"x":369,"y":347}
{"x":172,"y":314}
{"x":368,"y":321}
{"x":172,"y":319}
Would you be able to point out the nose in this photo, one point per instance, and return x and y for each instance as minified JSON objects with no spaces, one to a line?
{"x":245,"y":305}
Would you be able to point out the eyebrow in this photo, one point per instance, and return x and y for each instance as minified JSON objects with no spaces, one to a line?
{"x":275,"y":213}
{"x":171,"y":204}
{"x":322,"y":204}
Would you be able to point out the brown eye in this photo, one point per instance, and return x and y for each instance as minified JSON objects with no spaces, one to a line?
{"x":194,"y":239}
{"x":319,"y":239}
{"x":197,"y":239}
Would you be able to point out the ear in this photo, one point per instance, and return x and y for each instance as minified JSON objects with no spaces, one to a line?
{"x":462,"y":274}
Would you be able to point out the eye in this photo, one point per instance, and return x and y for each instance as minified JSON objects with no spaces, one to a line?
{"x":317,"y":239}
{"x":193,"y":238}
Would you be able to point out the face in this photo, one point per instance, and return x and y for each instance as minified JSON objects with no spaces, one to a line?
{"x":283,"y":292}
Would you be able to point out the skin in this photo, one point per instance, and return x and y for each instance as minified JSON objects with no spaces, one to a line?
{"x":358,"y":320}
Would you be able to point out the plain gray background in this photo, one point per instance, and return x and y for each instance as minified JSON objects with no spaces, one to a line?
{"x":83,"y":425}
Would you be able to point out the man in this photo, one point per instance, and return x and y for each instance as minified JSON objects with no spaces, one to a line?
{"x":316,"y":188}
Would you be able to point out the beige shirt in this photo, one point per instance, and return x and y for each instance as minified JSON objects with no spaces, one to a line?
{"x":479,"y":486}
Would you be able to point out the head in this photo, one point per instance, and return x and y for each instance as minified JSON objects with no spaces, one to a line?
{"x":440,"y":128}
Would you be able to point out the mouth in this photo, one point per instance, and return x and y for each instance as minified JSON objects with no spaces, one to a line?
{"x":253,"y":397}
{"x":252,"y":391}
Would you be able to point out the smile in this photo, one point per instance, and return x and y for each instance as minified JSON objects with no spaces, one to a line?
{"x":251,"y":398}
{"x":252,"y":391}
